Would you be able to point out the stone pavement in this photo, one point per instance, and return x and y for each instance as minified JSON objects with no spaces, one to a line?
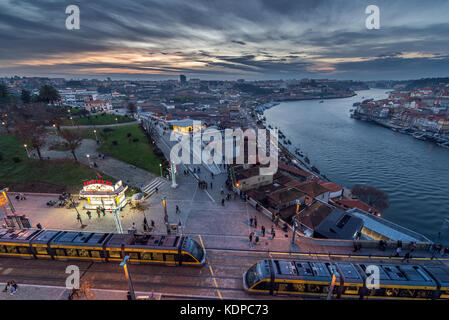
{"x":42,"y":292}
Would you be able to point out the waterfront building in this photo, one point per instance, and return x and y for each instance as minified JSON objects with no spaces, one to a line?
{"x":377,"y":228}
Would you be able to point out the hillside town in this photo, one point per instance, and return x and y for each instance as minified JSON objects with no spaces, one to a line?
{"x":423,"y":113}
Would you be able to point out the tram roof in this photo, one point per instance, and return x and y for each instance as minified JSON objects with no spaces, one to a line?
{"x":17,"y":235}
{"x":441,"y":273}
{"x":304,"y":270}
{"x":144,"y":241}
{"x":403,"y":275}
{"x":73,"y":237}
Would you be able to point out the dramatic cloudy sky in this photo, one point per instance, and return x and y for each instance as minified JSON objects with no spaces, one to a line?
{"x":225,"y":39}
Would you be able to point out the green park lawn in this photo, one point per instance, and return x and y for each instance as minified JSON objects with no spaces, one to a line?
{"x":63,"y":173}
{"x":98,"y":119}
{"x":138,"y":153}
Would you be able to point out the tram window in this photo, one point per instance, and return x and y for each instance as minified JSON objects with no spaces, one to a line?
{"x":313,"y":288}
{"x":2,"y":249}
{"x":444,"y":294}
{"x":114,"y":254}
{"x":170,"y":257}
{"x":95,"y":254}
{"x":158,"y":256}
{"x":83,"y":252}
{"x":423,"y":294}
{"x":407,"y":293}
{"x":351,"y":290}
{"x":60,"y":252}
{"x":41,"y":250}
{"x":72,"y":252}
{"x":264,"y":285}
{"x":23,"y":250}
{"x":11,"y":249}
{"x":188,"y":258}
{"x":285,"y":287}
{"x":133,"y":255}
{"x":391,"y":292}
{"x":146,"y":255}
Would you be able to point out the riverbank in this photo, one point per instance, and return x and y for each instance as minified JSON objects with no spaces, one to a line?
{"x":353,"y":152}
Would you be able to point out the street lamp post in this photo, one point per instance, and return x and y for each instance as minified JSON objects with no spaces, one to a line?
{"x":71,"y":119}
{"x":124,"y":264}
{"x":28,"y":153}
{"x":88,"y":159}
{"x":160,"y":167}
{"x":96,"y":138}
{"x":173,"y":175}
{"x":164,"y":204}
{"x":295,"y":221}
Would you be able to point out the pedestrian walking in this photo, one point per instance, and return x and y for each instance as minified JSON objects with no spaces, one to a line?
{"x":152,"y":223}
{"x":211,"y":185}
{"x":177,"y":209}
{"x":104,"y":212}
{"x":273,"y":234}
{"x":222,"y":202}
{"x":406,"y":257}
{"x":78,"y":217}
{"x":89,"y":214}
{"x":251,"y":238}
{"x":250,"y":222}
{"x":222,"y":191}
{"x":157,"y":190}
{"x":145,"y":224}
{"x":263,"y":231}
{"x":255,"y":222}
{"x":398,"y":251}
{"x":256,"y":241}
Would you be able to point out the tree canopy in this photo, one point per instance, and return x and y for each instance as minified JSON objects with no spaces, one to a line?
{"x":48,"y":94}
{"x":372,"y":196}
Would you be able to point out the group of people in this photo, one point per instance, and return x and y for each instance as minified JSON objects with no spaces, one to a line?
{"x":253,"y":237}
{"x":203,"y":184}
{"x":100,"y":212}
{"x":11,"y":286}
{"x":147,"y":227}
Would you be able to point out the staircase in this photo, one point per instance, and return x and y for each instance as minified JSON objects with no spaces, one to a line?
{"x":150,"y":188}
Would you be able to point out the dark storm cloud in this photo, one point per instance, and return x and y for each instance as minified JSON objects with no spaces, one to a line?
{"x":265,"y":38}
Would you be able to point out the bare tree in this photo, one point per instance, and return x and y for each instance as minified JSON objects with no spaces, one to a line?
{"x":32,"y":133}
{"x":372,"y":196}
{"x":73,"y":140}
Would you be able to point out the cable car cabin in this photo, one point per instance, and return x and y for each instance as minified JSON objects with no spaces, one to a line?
{"x":16,"y":243}
{"x":157,"y":249}
{"x":441,"y":275}
{"x":401,"y":282}
{"x":72,"y":245}
{"x":40,"y":244}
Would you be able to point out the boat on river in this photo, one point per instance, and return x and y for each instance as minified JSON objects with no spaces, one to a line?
{"x":419,"y":136}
